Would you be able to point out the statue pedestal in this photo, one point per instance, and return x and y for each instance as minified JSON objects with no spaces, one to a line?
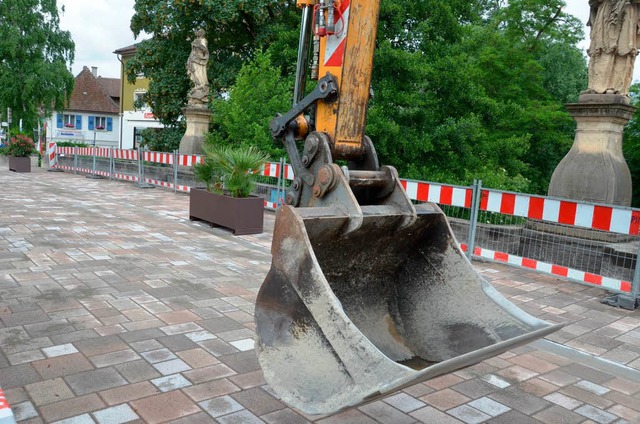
{"x":595,"y":170}
{"x":198,"y":119}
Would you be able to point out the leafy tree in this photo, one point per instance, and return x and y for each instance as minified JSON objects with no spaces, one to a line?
{"x":258,"y":94}
{"x":162,"y":139}
{"x":35,"y":56}
{"x":462,"y":90}
{"x":234,"y":29}
{"x":631,"y":145}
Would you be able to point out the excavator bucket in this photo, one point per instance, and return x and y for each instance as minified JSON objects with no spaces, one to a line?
{"x":347,"y":316}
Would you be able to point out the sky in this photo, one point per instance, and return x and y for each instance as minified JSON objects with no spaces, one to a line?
{"x":98,"y":27}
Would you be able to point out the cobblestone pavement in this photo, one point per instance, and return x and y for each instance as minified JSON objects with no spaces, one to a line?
{"x":114,"y":307}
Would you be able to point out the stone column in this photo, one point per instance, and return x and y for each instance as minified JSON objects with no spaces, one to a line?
{"x":198,"y":119}
{"x":595,"y":170}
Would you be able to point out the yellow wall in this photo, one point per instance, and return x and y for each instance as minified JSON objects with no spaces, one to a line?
{"x":127,"y":89}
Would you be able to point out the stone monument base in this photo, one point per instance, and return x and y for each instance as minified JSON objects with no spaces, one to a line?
{"x":198,"y":119}
{"x":595,"y":170}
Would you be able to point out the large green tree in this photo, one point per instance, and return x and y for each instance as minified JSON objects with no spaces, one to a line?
{"x":235,"y":29}
{"x":463,"y":89}
{"x":35,"y":56}
{"x":467,"y":90}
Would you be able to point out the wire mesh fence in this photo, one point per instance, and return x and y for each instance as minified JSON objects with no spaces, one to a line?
{"x":589,"y":243}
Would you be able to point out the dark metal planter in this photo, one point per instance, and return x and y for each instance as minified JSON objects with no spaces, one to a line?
{"x":242,"y":215}
{"x":19,"y":164}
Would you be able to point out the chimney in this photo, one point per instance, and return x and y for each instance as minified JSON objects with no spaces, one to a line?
{"x":94,"y":71}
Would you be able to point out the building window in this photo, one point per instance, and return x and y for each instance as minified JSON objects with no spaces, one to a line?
{"x":139,"y":101}
{"x":101,"y":123}
{"x":69,"y":121}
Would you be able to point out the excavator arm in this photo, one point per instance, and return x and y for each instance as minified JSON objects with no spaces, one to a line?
{"x":367,"y":293}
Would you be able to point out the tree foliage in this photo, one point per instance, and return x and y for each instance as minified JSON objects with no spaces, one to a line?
{"x":258,"y":94}
{"x":35,"y":56}
{"x":235,"y":29}
{"x":471,"y":90}
{"x":463,"y":89}
{"x":631,"y":145}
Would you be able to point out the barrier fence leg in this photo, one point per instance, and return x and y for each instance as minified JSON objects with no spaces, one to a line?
{"x":111,"y":163}
{"x":635,"y":289}
{"x":75,"y":160}
{"x":280,"y":176}
{"x":175,"y":171}
{"x":628,"y":301}
{"x":141,"y":178}
{"x":93,"y":175}
{"x":473,"y":217}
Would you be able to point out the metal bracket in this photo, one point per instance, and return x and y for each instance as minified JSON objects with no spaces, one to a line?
{"x":327,"y":87}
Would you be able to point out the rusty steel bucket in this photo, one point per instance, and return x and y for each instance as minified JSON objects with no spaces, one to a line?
{"x":346,"y":317}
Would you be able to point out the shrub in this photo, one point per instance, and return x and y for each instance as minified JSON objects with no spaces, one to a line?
{"x":20,"y":146}
{"x":233,"y":169}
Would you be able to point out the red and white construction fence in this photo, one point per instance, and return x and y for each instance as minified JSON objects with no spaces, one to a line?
{"x":566,"y":212}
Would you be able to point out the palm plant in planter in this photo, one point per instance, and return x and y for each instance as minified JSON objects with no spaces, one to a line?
{"x":229,"y":173}
{"x":19,"y":150}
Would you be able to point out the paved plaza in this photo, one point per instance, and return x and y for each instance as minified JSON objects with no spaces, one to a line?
{"x":114,"y":308}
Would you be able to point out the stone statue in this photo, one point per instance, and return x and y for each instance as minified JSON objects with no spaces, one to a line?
{"x":614,"y":45}
{"x":197,"y":71}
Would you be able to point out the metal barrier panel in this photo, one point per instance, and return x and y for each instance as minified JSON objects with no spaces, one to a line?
{"x":592,"y":244}
{"x":589,"y":243}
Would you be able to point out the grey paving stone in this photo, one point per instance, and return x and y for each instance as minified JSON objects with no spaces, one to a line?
{"x":115,"y":415}
{"x":219,"y":406}
{"x":489,"y":406}
{"x":177,"y":342}
{"x":158,"y":355}
{"x":468,"y":414}
{"x":219,"y":325}
{"x":114,"y":358}
{"x":241,"y":417}
{"x":95,"y":381}
{"x":171,"y":367}
{"x":258,"y":401}
{"x":171,"y":382}
{"x":18,"y":376}
{"x":385,"y":413}
{"x":241,"y":362}
{"x":139,"y":335}
{"x":78,"y":419}
{"x":404,"y":402}
{"x":24,"y":410}
{"x":283,"y":416}
{"x":596,"y":414}
{"x":517,"y":399}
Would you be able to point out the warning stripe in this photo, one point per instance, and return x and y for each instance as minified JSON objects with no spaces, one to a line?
{"x":271,"y":169}
{"x":6,"y":415}
{"x":607,"y":283}
{"x":438,"y":193}
{"x":158,"y":157}
{"x":334,"y":50}
{"x":597,"y":217}
{"x":189,"y":160}
{"x":52,"y":154}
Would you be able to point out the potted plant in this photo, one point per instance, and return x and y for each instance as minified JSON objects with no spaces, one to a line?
{"x":19,"y":150}
{"x":229,"y":173}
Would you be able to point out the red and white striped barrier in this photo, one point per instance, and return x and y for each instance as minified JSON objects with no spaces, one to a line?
{"x":125,"y":154}
{"x":157,"y":157}
{"x":438,"y":193}
{"x":52,"y":155}
{"x":556,"y":270}
{"x":189,"y":160}
{"x":6,"y":416}
{"x":596,"y":217}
